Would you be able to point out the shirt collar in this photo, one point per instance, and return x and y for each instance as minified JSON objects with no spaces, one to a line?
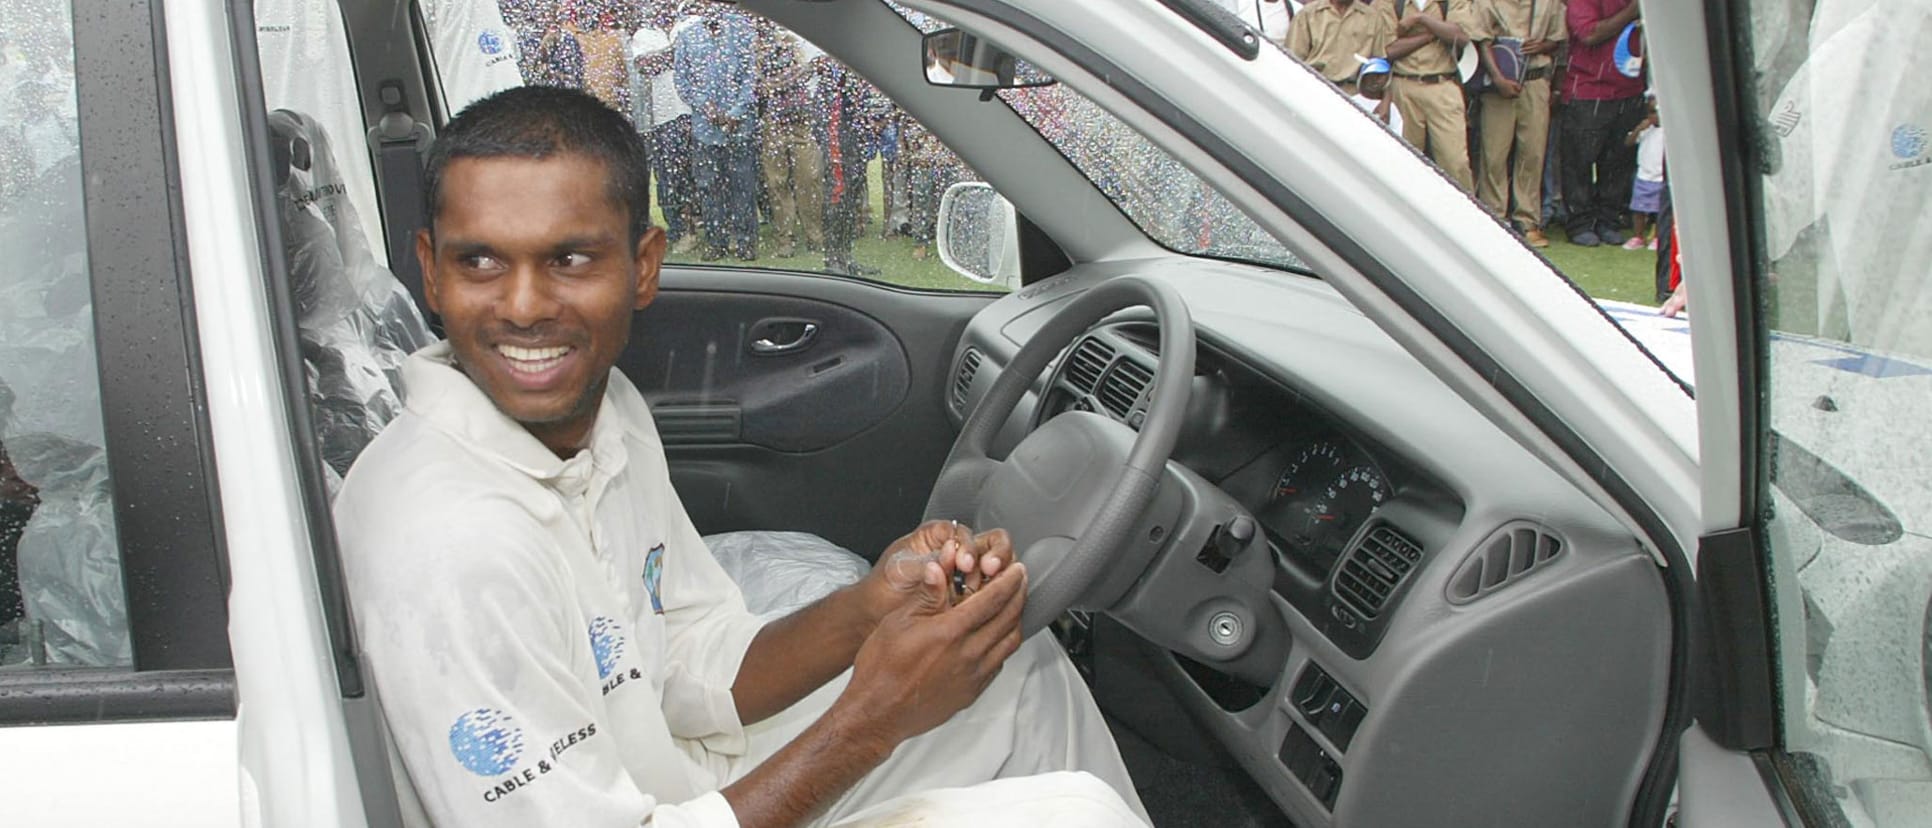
{"x":435,"y":389}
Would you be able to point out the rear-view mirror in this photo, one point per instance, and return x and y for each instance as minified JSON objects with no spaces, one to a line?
{"x":955,"y":58}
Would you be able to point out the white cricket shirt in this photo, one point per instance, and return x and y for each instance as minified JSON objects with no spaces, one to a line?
{"x":551,"y":640}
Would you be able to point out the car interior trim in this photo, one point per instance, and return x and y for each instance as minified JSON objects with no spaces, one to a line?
{"x":95,"y":696}
{"x":1742,"y":712}
{"x":1659,"y":778}
{"x":391,"y":52}
{"x":308,"y":461}
{"x":1737,"y":706}
{"x":1040,"y":257}
{"x":164,"y":492}
{"x":1217,"y":22}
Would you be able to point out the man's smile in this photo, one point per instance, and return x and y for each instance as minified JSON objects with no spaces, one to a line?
{"x":535,"y":367}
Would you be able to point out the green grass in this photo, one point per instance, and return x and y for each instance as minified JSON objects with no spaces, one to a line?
{"x":1605,"y":272}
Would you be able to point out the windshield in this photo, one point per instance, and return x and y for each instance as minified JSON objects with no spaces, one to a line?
{"x":1165,"y":199}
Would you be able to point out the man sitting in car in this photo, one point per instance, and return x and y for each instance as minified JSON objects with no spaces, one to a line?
{"x":552,"y":641}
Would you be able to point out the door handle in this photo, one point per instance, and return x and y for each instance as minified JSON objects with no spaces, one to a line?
{"x":772,"y":337}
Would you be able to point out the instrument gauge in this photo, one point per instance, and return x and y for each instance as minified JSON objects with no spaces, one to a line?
{"x":1347,"y":501}
{"x":1309,"y":471}
{"x":1326,"y":492}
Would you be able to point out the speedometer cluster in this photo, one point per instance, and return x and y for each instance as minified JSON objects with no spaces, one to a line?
{"x":1326,"y":489}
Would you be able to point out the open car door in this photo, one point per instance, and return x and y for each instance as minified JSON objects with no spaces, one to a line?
{"x":1805,"y":262}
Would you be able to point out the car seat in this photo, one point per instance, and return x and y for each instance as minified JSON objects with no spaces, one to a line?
{"x":357,"y":324}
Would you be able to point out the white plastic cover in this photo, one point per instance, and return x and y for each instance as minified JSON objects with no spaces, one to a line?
{"x":73,"y":604}
{"x":781,"y":572}
{"x":357,"y":322}
{"x":70,"y":562}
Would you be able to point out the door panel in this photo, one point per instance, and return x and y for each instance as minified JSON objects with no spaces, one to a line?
{"x":776,"y":372}
{"x":840,"y":436}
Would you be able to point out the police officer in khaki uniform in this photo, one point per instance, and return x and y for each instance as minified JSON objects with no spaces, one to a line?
{"x":1516,"y":115}
{"x":1331,"y":35}
{"x":1427,"y":88}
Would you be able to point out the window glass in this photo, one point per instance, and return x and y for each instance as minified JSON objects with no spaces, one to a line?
{"x":1843,"y":198}
{"x":765,"y":151}
{"x":1166,"y":200}
{"x":61,"y":597}
{"x":304,"y":53}
{"x":1163,"y":198}
{"x":356,"y":324}
{"x":1542,"y":114}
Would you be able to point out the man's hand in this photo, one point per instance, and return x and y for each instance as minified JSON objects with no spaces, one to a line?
{"x":929,"y":658}
{"x":1539,"y":46}
{"x":924,"y":662}
{"x":1410,"y":23}
{"x":1508,"y":88}
{"x":793,"y":655}
{"x":950,"y":544}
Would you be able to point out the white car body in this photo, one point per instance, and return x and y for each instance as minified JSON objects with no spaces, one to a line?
{"x":289,"y":757}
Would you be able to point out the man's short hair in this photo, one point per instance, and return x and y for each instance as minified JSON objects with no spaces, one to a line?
{"x":540,"y":122}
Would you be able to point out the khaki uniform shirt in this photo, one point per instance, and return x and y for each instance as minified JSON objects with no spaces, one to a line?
{"x":1511,"y":18}
{"x":1328,"y":39}
{"x":1434,"y":58}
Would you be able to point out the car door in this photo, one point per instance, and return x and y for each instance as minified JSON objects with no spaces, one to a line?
{"x":797,"y":386}
{"x":1809,"y":316}
{"x":117,"y":690}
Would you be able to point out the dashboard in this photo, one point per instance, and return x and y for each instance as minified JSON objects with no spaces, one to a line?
{"x":1355,"y":583}
{"x":1315,"y":488}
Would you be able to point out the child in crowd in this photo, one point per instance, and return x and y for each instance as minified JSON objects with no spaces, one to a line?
{"x":1647,"y":193}
{"x":1372,"y":93}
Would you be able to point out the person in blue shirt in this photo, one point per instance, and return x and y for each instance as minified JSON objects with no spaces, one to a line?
{"x":716,"y":73}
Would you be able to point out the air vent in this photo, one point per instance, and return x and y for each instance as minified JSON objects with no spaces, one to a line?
{"x":1372,"y":570}
{"x":1086,"y":363}
{"x":963,"y":381}
{"x":1124,"y":386}
{"x":1514,"y":551}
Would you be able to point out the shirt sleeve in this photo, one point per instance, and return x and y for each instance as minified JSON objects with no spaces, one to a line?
{"x":1557,"y":33}
{"x":463,"y":630}
{"x":1384,"y":35}
{"x":707,"y":627}
{"x":1482,"y":21}
{"x":684,"y":60}
{"x":1463,"y":13}
{"x":1298,"y":36}
{"x":739,"y":53}
{"x":1584,"y":15}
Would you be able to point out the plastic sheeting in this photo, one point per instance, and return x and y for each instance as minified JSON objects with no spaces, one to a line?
{"x":781,"y":572}
{"x":68,"y":553}
{"x":357,"y":322}
{"x":70,"y":562}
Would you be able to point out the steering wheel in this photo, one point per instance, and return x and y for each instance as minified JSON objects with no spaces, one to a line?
{"x":1074,"y":489}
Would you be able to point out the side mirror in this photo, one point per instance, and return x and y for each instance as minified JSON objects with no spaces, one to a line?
{"x":979,"y":234}
{"x":955,"y":58}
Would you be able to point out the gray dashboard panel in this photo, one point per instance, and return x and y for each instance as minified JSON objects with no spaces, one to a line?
{"x":1537,"y":702}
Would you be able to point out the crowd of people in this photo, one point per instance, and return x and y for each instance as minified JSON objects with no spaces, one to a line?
{"x":1537,"y":107}
{"x":749,"y":125}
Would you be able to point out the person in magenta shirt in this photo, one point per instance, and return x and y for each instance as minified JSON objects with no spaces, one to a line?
{"x":1603,"y":105}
